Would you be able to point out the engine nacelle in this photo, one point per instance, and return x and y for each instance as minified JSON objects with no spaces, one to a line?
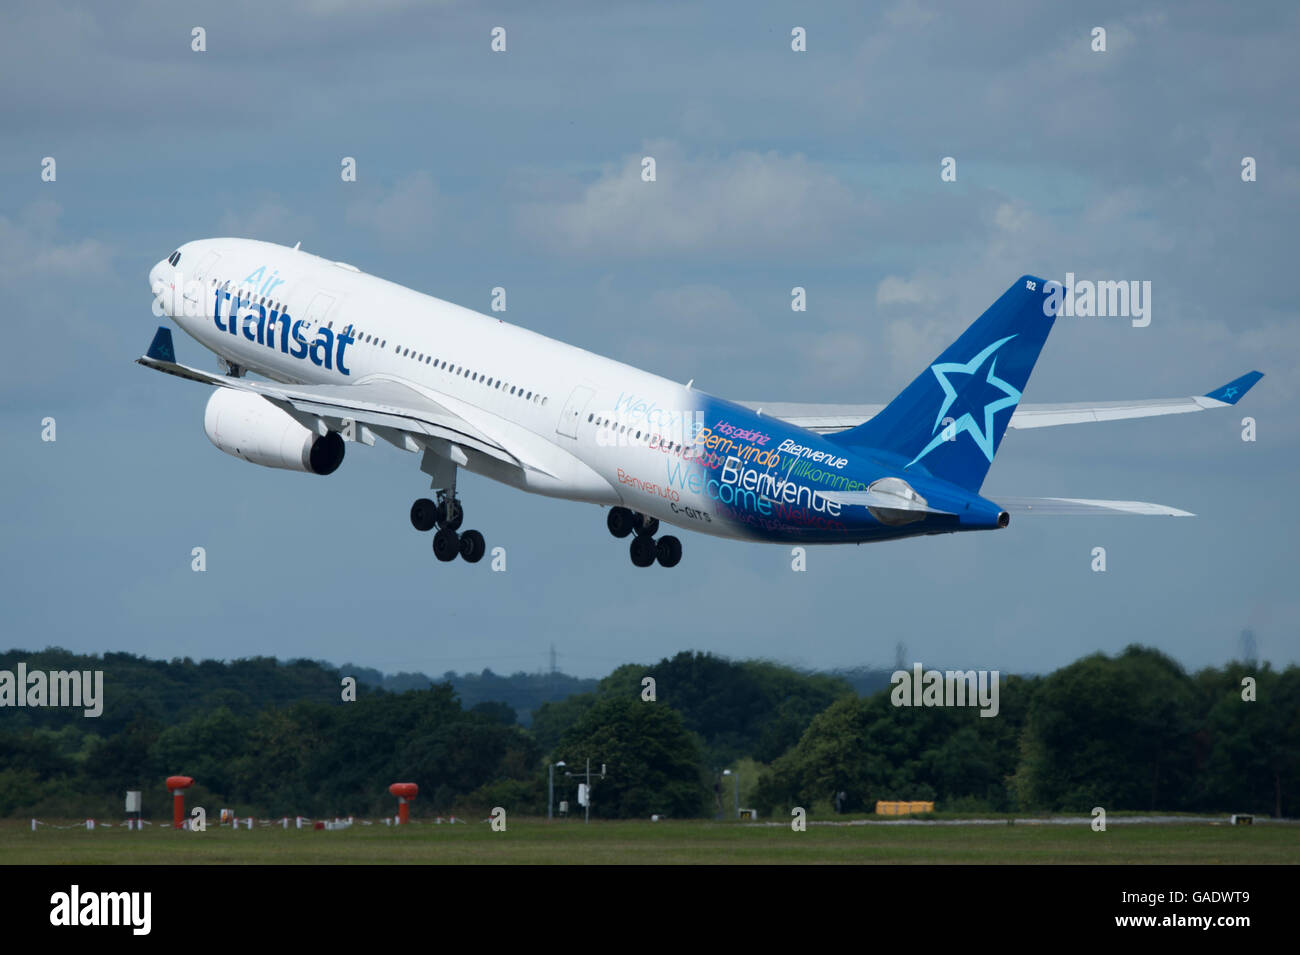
{"x":248,"y":426}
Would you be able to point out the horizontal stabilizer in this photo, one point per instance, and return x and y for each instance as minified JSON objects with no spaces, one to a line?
{"x":1057,"y":506}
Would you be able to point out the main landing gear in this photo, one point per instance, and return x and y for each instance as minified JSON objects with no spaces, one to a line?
{"x":645,"y":549}
{"x":447,"y":515}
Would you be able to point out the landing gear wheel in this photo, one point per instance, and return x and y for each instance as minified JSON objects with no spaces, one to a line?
{"x":473,"y":547}
{"x":446,"y":544}
{"x":457,"y":515}
{"x":668,"y":551}
{"x":424,"y":514}
{"x":643,"y":550}
{"x":646,"y":526}
{"x":620,"y":521}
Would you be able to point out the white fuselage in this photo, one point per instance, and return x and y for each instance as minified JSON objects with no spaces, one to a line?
{"x":591,"y":428}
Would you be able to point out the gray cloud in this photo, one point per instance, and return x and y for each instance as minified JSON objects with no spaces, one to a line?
{"x":725,"y":206}
{"x":407,"y":212}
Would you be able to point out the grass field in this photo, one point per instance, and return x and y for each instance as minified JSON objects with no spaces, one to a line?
{"x":536,"y":841}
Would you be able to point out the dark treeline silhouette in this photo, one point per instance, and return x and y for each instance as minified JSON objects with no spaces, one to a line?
{"x":1129,"y":732}
{"x":522,"y":692}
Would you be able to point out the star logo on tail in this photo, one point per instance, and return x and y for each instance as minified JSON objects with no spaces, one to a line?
{"x":981,"y":432}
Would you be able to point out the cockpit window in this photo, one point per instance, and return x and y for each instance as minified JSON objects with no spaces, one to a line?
{"x":174,"y":258}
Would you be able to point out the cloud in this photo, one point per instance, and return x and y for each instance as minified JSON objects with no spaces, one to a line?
{"x":895,"y":290}
{"x":270,"y":220}
{"x":743,"y":203}
{"x":1012,"y":217}
{"x":687,"y":307}
{"x":30,"y":245}
{"x":405,"y":213}
{"x":908,"y":13}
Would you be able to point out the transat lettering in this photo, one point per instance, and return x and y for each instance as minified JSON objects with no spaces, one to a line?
{"x":233,"y":314}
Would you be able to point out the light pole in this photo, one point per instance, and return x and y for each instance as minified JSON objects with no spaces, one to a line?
{"x":735,"y":778}
{"x":587,"y":790}
{"x":550,"y":788}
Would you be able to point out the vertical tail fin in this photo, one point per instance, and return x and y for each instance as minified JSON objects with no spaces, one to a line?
{"x":950,"y":420}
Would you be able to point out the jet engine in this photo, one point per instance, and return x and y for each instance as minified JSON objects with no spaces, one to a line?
{"x":248,"y":426}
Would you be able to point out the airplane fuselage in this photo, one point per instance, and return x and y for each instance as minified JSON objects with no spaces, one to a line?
{"x":592,"y":429}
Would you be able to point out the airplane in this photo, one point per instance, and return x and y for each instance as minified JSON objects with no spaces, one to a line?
{"x":348,"y":357}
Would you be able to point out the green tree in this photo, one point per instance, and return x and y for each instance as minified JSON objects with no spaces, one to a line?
{"x":1251,"y":748}
{"x":653,"y":761}
{"x":1118,"y":733}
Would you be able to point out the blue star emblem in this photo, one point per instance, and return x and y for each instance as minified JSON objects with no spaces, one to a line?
{"x":1229,"y":393}
{"x":983,"y":438}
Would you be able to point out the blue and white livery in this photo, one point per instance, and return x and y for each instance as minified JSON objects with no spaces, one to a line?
{"x":348,"y":357}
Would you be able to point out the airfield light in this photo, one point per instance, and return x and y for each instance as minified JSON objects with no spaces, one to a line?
{"x":735,"y":779}
{"x":177,"y":785}
{"x":404,"y":792}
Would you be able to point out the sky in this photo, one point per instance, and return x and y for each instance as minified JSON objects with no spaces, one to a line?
{"x":774,"y":169}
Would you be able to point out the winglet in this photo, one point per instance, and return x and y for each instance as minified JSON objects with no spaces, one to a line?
{"x":1231,"y":392}
{"x":161,"y":349}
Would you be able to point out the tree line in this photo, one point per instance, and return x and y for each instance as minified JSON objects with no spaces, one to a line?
{"x":1133,"y":731}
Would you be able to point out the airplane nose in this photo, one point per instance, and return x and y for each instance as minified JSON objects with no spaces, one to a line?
{"x":155,"y":275}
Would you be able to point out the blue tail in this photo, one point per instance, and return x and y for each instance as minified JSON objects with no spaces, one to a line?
{"x":949,"y":422}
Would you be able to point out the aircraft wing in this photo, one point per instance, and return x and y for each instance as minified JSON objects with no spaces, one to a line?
{"x":827,"y":419}
{"x":387,"y":407}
